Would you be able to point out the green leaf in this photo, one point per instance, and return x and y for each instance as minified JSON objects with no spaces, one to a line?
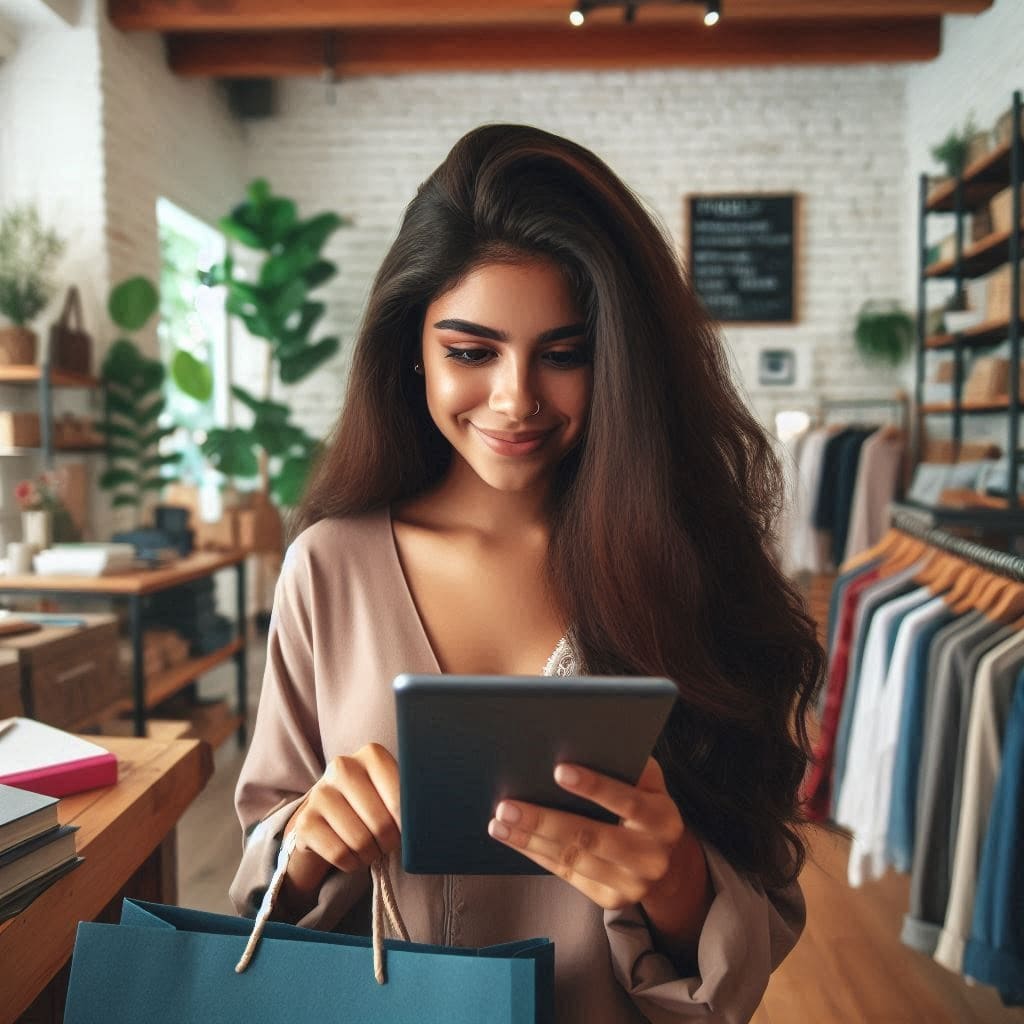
{"x":263,"y":408}
{"x":155,"y":483}
{"x":319,"y":272}
{"x":258,"y":191}
{"x":192,"y":376}
{"x":155,"y":461}
{"x":236,"y":226}
{"x":121,"y":363}
{"x":231,"y":451}
{"x":287,"y":300}
{"x":125,"y":499}
{"x":118,"y":451}
{"x":315,"y":231}
{"x":281,"y":268}
{"x":150,"y":413}
{"x":289,"y":483}
{"x":156,"y":436}
{"x":217,"y":275}
{"x":133,"y":302}
{"x":117,"y":430}
{"x":279,"y":217}
{"x":112,"y":478}
{"x":117,"y":403}
{"x":294,"y":367}
{"x":308,"y":316}
{"x":279,"y":438}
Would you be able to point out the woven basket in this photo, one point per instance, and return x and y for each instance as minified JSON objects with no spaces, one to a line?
{"x":17,"y":346}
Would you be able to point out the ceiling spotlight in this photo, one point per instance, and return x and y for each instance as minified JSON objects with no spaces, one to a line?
{"x":576,"y":18}
{"x":712,"y":13}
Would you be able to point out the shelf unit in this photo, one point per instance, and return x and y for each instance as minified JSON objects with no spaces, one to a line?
{"x":971,"y":191}
{"x":48,"y":380}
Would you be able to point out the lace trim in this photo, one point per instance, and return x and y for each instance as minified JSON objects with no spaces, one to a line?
{"x":563,"y":661}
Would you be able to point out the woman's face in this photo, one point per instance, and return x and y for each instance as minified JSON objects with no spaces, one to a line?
{"x":508,"y":337}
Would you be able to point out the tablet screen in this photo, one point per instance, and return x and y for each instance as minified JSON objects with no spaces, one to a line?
{"x":467,"y":742}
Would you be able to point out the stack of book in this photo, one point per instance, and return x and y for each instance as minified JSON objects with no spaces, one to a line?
{"x":35,"y":849}
{"x":84,"y":559}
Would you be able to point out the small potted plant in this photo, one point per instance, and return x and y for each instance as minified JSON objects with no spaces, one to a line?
{"x":28,"y":251}
{"x":884,"y":332}
{"x":44,"y":516}
{"x":952,"y":151}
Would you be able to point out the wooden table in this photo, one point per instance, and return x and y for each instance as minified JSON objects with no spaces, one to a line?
{"x":126,"y":835}
{"x":132,"y":587}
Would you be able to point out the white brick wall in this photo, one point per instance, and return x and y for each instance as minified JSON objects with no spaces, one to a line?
{"x":836,"y":136}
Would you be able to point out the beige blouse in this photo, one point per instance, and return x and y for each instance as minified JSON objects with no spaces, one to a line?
{"x":343,"y":626}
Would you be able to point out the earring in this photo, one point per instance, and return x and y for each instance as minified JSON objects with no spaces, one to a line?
{"x":534,"y":413}
{"x":417,"y":369}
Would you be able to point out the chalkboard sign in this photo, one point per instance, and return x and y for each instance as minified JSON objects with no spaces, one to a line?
{"x":742,"y":256}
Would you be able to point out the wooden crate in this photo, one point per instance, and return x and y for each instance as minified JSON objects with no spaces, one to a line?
{"x":71,"y":671}
{"x":1000,"y":208}
{"x":10,"y":685}
{"x":997,"y":292}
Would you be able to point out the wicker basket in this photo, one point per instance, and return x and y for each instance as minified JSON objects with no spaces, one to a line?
{"x":17,"y":346}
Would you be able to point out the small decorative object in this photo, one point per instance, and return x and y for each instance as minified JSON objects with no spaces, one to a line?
{"x":884,"y":332}
{"x":70,"y":345}
{"x":776,"y":366}
{"x":28,"y":251}
{"x":44,"y":516}
{"x":952,"y":151}
{"x":133,"y":396}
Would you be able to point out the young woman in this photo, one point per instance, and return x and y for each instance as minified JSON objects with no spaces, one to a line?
{"x":542,"y":464}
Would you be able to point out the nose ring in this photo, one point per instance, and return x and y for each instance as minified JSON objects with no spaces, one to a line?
{"x":535,"y":411}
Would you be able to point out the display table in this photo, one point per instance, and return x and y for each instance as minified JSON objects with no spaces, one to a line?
{"x":132,"y":587}
{"x":126,"y":835}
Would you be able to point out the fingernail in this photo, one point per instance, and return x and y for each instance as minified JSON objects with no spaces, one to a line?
{"x":509,"y":813}
{"x":567,"y":776}
{"x":498,"y":830}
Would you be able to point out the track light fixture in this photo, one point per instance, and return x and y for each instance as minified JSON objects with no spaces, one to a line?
{"x":578,"y":15}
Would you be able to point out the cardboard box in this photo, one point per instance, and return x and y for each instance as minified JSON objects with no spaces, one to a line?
{"x":11,"y":705}
{"x":997,"y":292}
{"x":1000,"y":208}
{"x":989,"y":379}
{"x":19,"y":430}
{"x":71,"y":671}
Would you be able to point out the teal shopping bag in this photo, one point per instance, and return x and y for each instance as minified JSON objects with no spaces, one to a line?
{"x":169,"y":964}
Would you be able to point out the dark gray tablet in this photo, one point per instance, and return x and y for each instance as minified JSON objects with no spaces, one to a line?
{"x":467,"y":742}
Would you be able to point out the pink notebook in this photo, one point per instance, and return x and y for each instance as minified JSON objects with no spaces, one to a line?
{"x":43,"y":759}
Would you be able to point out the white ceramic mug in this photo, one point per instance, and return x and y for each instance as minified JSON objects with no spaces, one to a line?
{"x":19,"y":558}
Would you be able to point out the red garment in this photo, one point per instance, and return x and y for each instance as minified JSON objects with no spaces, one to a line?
{"x":817,"y":789}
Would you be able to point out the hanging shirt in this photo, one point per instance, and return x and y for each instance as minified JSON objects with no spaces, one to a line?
{"x":806,"y":545}
{"x":878,"y":474}
{"x":849,"y":459}
{"x":989,"y":713}
{"x":995,"y":950}
{"x":938,"y":798}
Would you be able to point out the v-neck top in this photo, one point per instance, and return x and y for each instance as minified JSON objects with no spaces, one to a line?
{"x":344,"y":624}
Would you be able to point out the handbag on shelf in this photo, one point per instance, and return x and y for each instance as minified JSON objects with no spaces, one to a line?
{"x":70,"y":344}
{"x":164,"y":964}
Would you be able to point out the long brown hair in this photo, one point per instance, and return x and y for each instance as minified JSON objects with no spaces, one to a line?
{"x":661,"y":519}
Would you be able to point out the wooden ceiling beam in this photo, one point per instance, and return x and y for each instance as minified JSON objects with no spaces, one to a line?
{"x":265,"y":15}
{"x":373,"y":52}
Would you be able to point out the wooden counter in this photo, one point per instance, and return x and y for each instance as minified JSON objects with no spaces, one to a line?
{"x":126,"y":835}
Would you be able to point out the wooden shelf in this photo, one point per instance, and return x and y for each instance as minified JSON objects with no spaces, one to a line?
{"x":984,"y":255}
{"x":92,"y":449}
{"x":991,"y":332}
{"x":946,"y":408}
{"x":213,"y":722}
{"x":982,"y":179}
{"x":163,"y":685}
{"x":28,"y":374}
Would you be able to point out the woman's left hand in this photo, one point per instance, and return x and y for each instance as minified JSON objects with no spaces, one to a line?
{"x":649,"y":857}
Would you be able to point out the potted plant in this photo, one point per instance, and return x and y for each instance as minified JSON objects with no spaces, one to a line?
{"x":133,"y":402}
{"x":884,"y":332}
{"x":28,"y":251}
{"x":952,"y":151}
{"x":275,"y":307}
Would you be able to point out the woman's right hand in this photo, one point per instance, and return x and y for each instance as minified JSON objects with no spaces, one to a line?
{"x":348,"y":820}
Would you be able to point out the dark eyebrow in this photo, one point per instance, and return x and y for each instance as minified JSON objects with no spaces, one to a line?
{"x":479,"y":331}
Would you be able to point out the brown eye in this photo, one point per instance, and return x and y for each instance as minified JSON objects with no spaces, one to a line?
{"x":469,"y":356}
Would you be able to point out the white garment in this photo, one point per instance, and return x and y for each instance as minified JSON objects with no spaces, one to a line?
{"x":993,"y":693}
{"x":788,"y":454}
{"x":858,"y":796}
{"x":805,"y":546}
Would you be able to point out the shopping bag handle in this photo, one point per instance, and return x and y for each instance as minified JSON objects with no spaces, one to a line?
{"x":385,"y":909}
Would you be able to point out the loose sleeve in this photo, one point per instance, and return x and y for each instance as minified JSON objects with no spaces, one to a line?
{"x":747,"y":934}
{"x":285,"y":756}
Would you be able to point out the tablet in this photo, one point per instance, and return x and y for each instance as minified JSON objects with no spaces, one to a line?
{"x":467,"y":742}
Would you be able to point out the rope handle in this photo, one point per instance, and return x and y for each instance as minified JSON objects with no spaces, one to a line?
{"x":385,"y":909}
{"x":72,"y":310}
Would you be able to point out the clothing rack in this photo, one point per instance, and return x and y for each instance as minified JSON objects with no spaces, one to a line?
{"x":1002,"y":563}
{"x":897,"y":403}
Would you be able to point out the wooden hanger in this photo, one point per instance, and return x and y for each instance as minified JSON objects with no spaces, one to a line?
{"x":985,"y":597}
{"x":903,"y":557}
{"x":970,"y":585}
{"x":1010,"y":604}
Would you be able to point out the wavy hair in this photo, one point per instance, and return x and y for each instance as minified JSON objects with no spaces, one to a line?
{"x":661,"y":519}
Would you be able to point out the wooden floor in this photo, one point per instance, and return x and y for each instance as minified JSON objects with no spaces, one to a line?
{"x":848,"y":968}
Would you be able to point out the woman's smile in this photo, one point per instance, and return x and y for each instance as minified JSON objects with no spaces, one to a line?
{"x":513,"y":442}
